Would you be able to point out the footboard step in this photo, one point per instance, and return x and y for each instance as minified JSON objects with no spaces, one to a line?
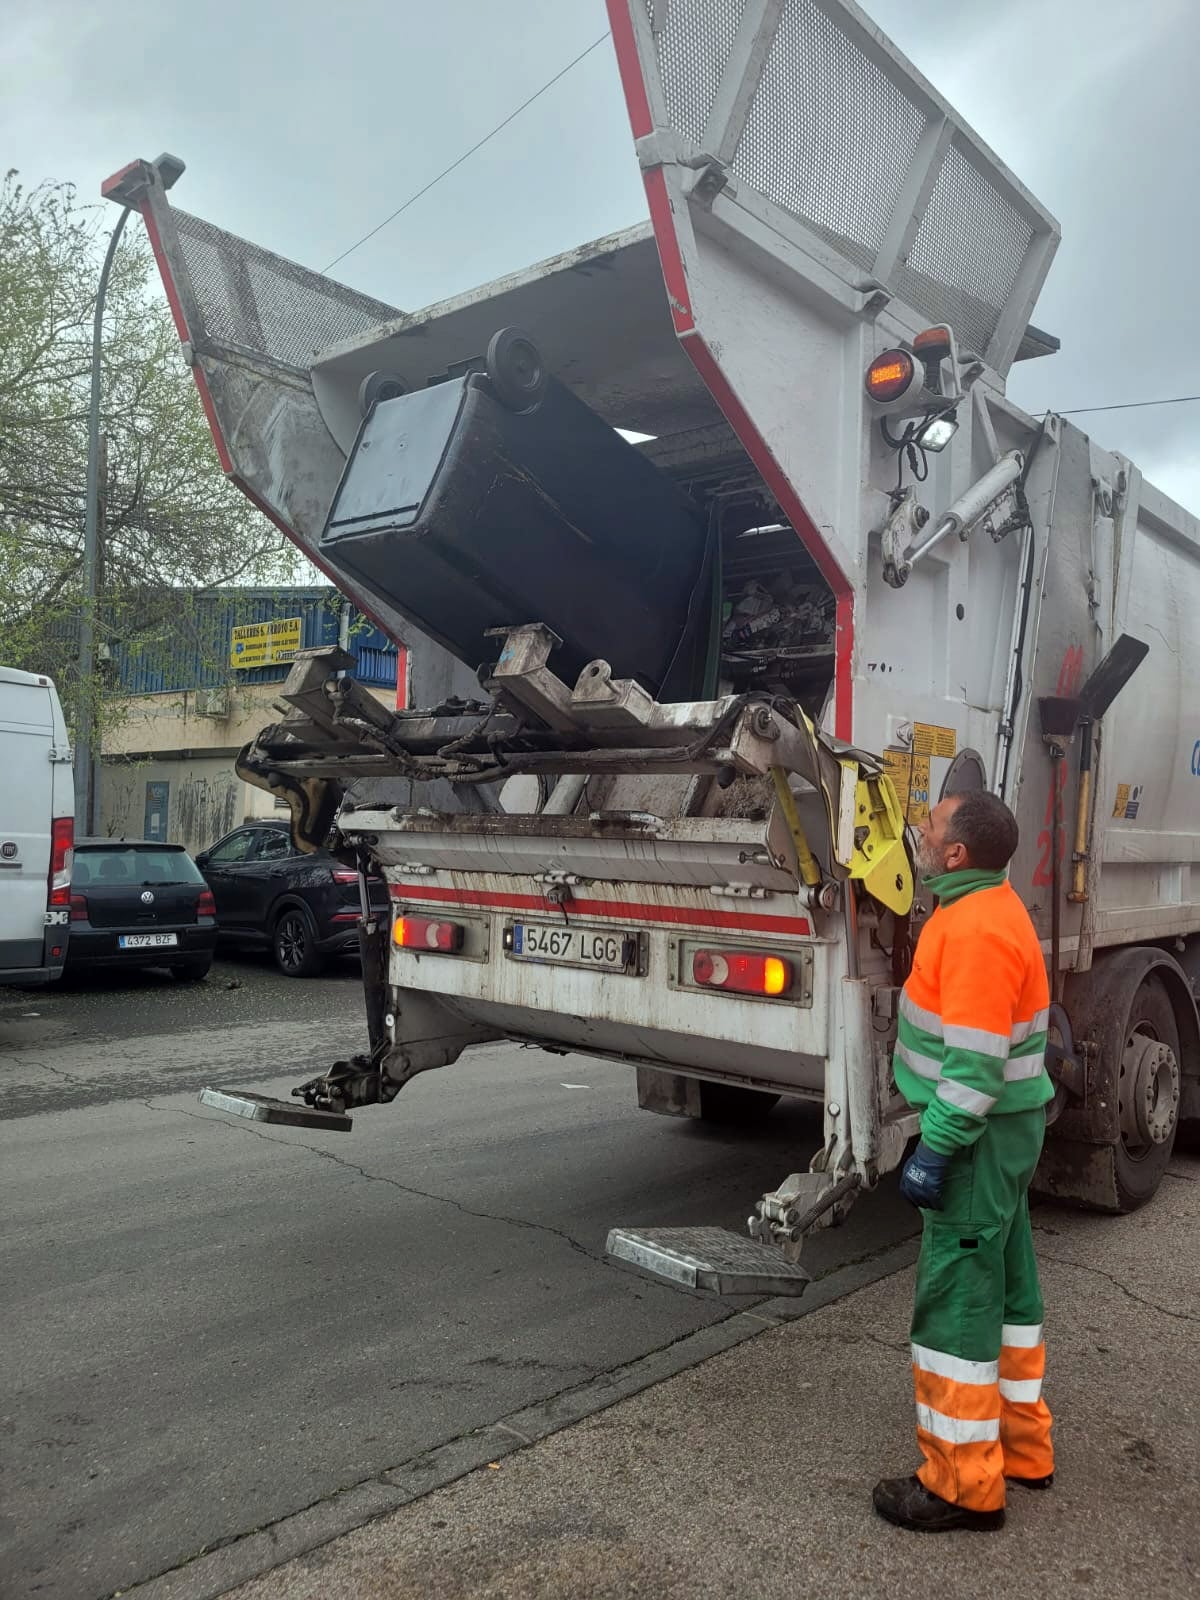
{"x":287,"y":1113}
{"x":708,"y":1258}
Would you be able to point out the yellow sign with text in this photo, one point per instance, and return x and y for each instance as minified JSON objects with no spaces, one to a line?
{"x":930,"y":740}
{"x":910,"y":775}
{"x":265,"y":644}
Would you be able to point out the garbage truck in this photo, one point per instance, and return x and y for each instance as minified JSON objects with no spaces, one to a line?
{"x":721,"y":555}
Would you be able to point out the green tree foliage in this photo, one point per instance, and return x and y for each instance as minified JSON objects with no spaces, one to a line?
{"x":172,"y":522}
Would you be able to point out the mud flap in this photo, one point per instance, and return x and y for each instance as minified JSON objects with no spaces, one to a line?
{"x":708,"y":1258}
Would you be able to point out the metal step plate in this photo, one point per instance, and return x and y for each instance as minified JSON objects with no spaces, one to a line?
{"x":708,"y":1258}
{"x":261,"y":1108}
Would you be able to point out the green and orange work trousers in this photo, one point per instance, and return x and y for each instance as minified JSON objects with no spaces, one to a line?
{"x":977,"y":1349}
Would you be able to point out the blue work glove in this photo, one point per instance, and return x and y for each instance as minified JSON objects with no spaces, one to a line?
{"x":923,"y":1176}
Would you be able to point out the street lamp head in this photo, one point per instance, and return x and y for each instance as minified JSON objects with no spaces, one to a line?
{"x":129,"y":185}
{"x":170,"y":169}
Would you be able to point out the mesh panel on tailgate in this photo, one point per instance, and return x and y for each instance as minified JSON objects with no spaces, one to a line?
{"x":262,"y":302}
{"x":968,"y":250}
{"x":831,"y":134}
{"x":692,"y":52}
{"x":821,"y":120}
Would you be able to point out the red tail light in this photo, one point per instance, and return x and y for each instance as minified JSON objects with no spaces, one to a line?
{"x":62,"y":854}
{"x":206,"y":906}
{"x":418,"y":933}
{"x":79,"y":908}
{"x":344,"y":875}
{"x":742,"y":971}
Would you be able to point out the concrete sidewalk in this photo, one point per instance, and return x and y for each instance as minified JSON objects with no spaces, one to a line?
{"x":749,"y":1475}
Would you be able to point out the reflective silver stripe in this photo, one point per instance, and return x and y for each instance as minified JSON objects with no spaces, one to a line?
{"x":923,"y":1066}
{"x":956,"y":1367}
{"x":956,"y":1430}
{"x":929,"y":1021}
{"x":1021,"y":1391}
{"x":1021,"y":1336}
{"x":966,"y":1099}
{"x":978,"y":1040}
{"x":1026,"y":1030}
{"x":1019,"y":1068}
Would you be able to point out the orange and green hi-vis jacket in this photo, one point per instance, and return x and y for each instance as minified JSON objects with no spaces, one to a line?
{"x":971,"y":1041}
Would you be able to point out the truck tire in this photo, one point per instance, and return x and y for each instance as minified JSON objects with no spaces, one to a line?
{"x":294,"y":943}
{"x":730,"y":1105}
{"x":1148,"y":1094}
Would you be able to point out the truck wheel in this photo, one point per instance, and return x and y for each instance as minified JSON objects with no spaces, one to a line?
{"x":728,"y":1104}
{"x":1148,"y":1091}
{"x":294,"y":944}
{"x":516,"y":369}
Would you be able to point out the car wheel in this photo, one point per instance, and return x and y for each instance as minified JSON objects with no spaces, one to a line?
{"x":193,"y":971}
{"x":294,"y":943}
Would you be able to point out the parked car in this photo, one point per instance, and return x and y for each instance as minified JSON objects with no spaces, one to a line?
{"x":305,"y":908}
{"x":36,"y":807}
{"x":137,"y":903}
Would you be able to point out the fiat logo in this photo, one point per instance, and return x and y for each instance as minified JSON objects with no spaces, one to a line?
{"x":147,"y":898}
{"x":8,"y":849}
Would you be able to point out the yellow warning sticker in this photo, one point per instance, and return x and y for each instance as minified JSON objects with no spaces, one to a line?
{"x":930,"y":740}
{"x":1122,"y":800}
{"x":909,"y":773}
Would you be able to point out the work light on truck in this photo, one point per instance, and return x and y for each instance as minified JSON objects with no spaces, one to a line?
{"x":742,"y":971}
{"x":892,"y":377}
{"x":419,"y":933}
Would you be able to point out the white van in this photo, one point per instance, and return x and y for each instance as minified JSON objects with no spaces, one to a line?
{"x":37,"y":811}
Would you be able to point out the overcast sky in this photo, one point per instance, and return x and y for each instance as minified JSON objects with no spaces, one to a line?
{"x":304,"y":124}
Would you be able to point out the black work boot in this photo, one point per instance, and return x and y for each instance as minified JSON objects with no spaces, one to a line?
{"x":909,"y":1504}
{"x":1032,"y":1483}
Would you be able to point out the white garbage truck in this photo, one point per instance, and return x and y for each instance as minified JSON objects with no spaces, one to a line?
{"x":721,"y":555}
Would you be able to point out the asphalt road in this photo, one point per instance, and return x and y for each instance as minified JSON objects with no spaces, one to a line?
{"x":208,"y":1324}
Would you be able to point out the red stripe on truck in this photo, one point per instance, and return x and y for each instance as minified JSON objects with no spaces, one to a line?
{"x":678,"y":916}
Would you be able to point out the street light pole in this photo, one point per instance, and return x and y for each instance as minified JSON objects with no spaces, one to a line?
{"x":86,"y":709}
{"x":169,"y":168}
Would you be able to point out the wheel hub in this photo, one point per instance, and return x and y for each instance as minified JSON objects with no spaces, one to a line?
{"x":1149,"y":1091}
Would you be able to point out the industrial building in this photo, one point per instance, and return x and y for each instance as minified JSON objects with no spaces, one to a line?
{"x":190,"y":693}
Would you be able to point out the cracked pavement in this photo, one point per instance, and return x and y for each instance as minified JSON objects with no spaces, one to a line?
{"x":750,"y":1475}
{"x":210,"y":1325}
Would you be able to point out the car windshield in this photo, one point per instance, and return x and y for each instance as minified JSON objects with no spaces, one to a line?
{"x":133,"y":864}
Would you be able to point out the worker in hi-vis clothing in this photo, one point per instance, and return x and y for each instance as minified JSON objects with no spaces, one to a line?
{"x":970,"y":1054}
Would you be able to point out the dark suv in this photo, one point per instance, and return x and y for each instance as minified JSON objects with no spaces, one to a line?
{"x":305,"y":907}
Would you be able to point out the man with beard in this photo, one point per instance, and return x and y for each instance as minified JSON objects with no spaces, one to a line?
{"x":970,"y":1055}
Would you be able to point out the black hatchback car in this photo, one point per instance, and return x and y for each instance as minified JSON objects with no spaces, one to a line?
{"x":304,"y":908}
{"x":135,"y":903}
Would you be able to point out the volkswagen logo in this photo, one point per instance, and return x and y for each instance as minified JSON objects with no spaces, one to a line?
{"x":147,"y":897}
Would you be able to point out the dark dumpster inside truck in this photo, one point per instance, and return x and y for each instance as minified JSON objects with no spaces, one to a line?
{"x":498,"y":497}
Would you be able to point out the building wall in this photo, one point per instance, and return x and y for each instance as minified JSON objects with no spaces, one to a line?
{"x":204,"y":798}
{"x":161,"y":739}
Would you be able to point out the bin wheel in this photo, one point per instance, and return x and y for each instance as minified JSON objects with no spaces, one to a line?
{"x":378,"y":386}
{"x":516,"y":369}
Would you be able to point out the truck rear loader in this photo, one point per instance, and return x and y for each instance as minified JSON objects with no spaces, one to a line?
{"x":721,"y":555}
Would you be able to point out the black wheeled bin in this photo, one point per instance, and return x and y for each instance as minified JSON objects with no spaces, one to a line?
{"x":470,"y":515}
